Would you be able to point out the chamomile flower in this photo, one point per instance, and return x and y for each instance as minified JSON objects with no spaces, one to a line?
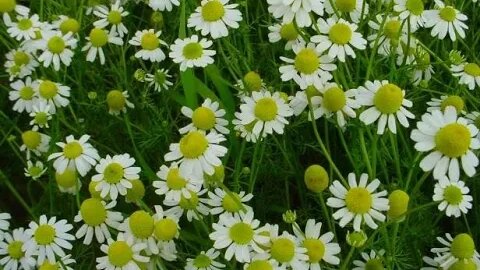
{"x":445,"y":19}
{"x":205,"y":261}
{"x":286,"y":32}
{"x":56,"y":48}
{"x":4,"y":223}
{"x":285,"y":250}
{"x":261,"y":261}
{"x":300,"y":101}
{"x":246,"y":131}
{"x":149,"y":42}
{"x":453,"y":196}
{"x":224,"y":202}
{"x":206,"y":117}
{"x":358,"y":202}
{"x":12,"y":253}
{"x":335,"y":101}
{"x":97,"y":39}
{"x":319,"y":247}
{"x":34,"y":141}
{"x":118,"y":102}
{"x":267,"y":111}
{"x":49,"y":238}
{"x":162,"y":5}
{"x":357,"y":9}
{"x":115,"y":174}
{"x":460,"y":248}
{"x":40,"y":114}
{"x":54,"y":94}
{"x":167,"y":250}
{"x":374,"y":260}
{"x":113,"y":16}
{"x":166,"y":227}
{"x":20,"y":63}
{"x":159,"y":80}
{"x":36,"y":170}
{"x":389,"y":36}
{"x":192,"y":52}
{"x":469,"y":74}
{"x":64,"y":263}
{"x":66,"y":24}
{"x":68,"y":181}
{"x":239,"y":234}
{"x":140,"y":226}
{"x":197,"y":152}
{"x":309,"y":67}
{"x":298,"y":10}
{"x":406,"y":51}
{"x":450,"y":141}
{"x":24,"y":28}
{"x":423,"y":68}
{"x":411,"y":10}
{"x":122,"y":254}
{"x":76,"y":154}
{"x":9,"y":6}
{"x":436,"y":104}
{"x":251,"y":82}
{"x":96,"y":215}
{"x":173,"y":184}
{"x":338,"y":37}
{"x":194,"y":207}
{"x":23,"y":94}
{"x":474,"y":118}
{"x":213,"y":17}
{"x":387,"y":104}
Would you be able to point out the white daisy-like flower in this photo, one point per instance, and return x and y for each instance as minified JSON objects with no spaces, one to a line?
{"x":205,"y":261}
{"x":40,"y":114}
{"x":453,"y":196}
{"x":48,"y":238}
{"x":162,"y":5}
{"x":12,"y":253}
{"x":357,"y":9}
{"x":115,"y":174}
{"x":36,"y":170}
{"x":197,"y":153}
{"x":97,"y":39}
{"x":149,"y":42}
{"x":122,"y":254}
{"x":20,"y":63}
{"x":334,"y":101}
{"x":299,"y":102}
{"x":7,"y":7}
{"x":34,"y":141}
{"x":96,"y":215}
{"x":24,"y":94}
{"x":309,"y":67}
{"x":245,"y":131}
{"x":194,"y":207}
{"x":239,"y":234}
{"x":406,"y":50}
{"x":445,"y":19}
{"x":251,"y":82}
{"x":173,"y":184}
{"x":423,"y":68}
{"x":52,"y":93}
{"x":474,"y":118}
{"x":166,"y":229}
{"x":159,"y":80}
{"x":140,"y":225}
{"x":78,"y":155}
{"x":206,"y":117}
{"x":469,"y":74}
{"x":192,"y":52}
{"x":117,"y":102}
{"x":65,"y":24}
{"x":457,"y":250}
{"x":319,"y":247}
{"x":167,"y":250}
{"x":432,"y":264}
{"x":411,"y":10}
{"x":358,"y":202}
{"x":338,"y":37}
{"x":286,"y":32}
{"x":450,"y":141}
{"x":440,"y":104}
{"x":56,"y":48}
{"x":65,"y":263}
{"x":4,"y":223}
{"x":387,"y":104}
{"x":228,"y":202}
{"x":285,"y":250}
{"x":213,"y":17}
{"x":298,"y":10}
{"x":68,"y":181}
{"x":24,"y":28}
{"x":113,"y":16}
{"x":374,"y":260}
{"x":389,"y":36}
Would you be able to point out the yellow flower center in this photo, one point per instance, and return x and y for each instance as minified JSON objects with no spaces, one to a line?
{"x":252,"y":81}
{"x":31,"y":139}
{"x":374,"y":264}
{"x":356,"y":239}
{"x":93,"y":212}
{"x":24,"y":24}
{"x":160,"y":77}
{"x":448,"y":14}
{"x":69,"y":25}
{"x":316,"y":178}
{"x":35,"y":171}
{"x":334,"y":99}
{"x":189,"y":204}
{"x":453,"y":140}
{"x":165,"y":229}
{"x":114,"y":17}
{"x":315,"y":249}
{"x":340,"y":33}
{"x":358,"y":200}
{"x":346,"y":5}
{"x":26,"y":93}
{"x":93,"y":192}
{"x":472,"y":69}
{"x":241,"y":233}
{"x":193,"y":50}
{"x":453,"y":195}
{"x":282,"y":250}
{"x":44,"y":234}
{"x":415,"y":7}
{"x":41,"y":118}
{"x":48,"y":266}
{"x":462,"y":246}
{"x":98,"y":37}
{"x":141,"y":224}
{"x":454,"y":101}
{"x":7,"y":5}
{"x":193,"y":145}
{"x":392,"y":29}
{"x":307,"y":61}
{"x":116,"y":100}
{"x":202,"y":261}
{"x":467,"y":264}
{"x":388,"y":99}
{"x":119,"y":253}
{"x":213,"y":11}
{"x":67,"y":179}
{"x":113,"y":173}
{"x":203,"y":118}
{"x":72,"y":150}
{"x":136,"y":192}
{"x":266,"y":109}
{"x":232,"y":203}
{"x":56,"y":45}
{"x":48,"y":89}
{"x":398,"y":201}
{"x":260,"y":265}
{"x":174,"y":180}
{"x":149,"y":41}
{"x":288,"y":32}
{"x":14,"y":250}
{"x":21,"y":58}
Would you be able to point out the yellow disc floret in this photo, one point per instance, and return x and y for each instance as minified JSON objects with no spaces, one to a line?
{"x":260,"y":265}
{"x":316,"y":178}
{"x":149,"y":41}
{"x":398,"y":201}
{"x":113,"y":173}
{"x":44,"y":234}
{"x":252,"y":81}
{"x":31,"y":139}
{"x":14,"y":250}
{"x":288,"y":32}
{"x":462,"y":246}
{"x":72,"y":150}
{"x":448,"y":14}
{"x":231,"y":203}
{"x":415,"y":7}
{"x":213,"y":11}
{"x":119,"y":253}
{"x":67,"y":179}
{"x":98,"y":37}
{"x":56,"y":45}
{"x":454,"y":101}
{"x":315,"y":249}
{"x":282,"y":250}
{"x":193,"y":144}
{"x":69,"y":25}
{"x":307,"y":61}
{"x":241,"y":233}
{"x":346,"y":5}
{"x":142,"y":224}
{"x":453,"y":195}
{"x":114,"y":17}
{"x":340,"y":33}
{"x":93,"y":212}
{"x":165,"y":229}
{"x":192,"y":50}
{"x":21,"y":58}
{"x":7,"y":5}
{"x":174,"y":180}
{"x":358,"y":200}
{"x":388,"y":99}
{"x":116,"y":100}
{"x":334,"y":99}
{"x":472,"y":69}
{"x":48,"y":89}
{"x":203,"y":118}
{"x":453,"y":140}
{"x":266,"y":109}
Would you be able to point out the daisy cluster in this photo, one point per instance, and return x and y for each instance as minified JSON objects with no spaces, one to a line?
{"x":321,"y":41}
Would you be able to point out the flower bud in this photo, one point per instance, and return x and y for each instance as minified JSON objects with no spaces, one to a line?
{"x":316,"y":178}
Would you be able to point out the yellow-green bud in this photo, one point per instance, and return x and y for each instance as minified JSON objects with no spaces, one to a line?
{"x":137,"y":191}
{"x":290,"y":216}
{"x":398,"y":201}
{"x":316,"y":178}
{"x":356,"y":239}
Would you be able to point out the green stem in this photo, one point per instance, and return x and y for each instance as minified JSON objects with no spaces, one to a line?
{"x":365,"y":153}
{"x":17,"y":195}
{"x":347,"y":260}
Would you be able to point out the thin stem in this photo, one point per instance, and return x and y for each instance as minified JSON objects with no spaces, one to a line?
{"x":17,"y":195}
{"x":365,"y":153}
